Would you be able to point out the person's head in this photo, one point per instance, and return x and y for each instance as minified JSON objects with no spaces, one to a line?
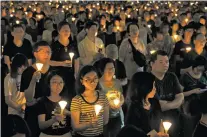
{"x":39,"y":7}
{"x":29,"y":13}
{"x":112,"y":51}
{"x":183,"y":16}
{"x":159,"y":62}
{"x":91,"y":28}
{"x":202,"y":29}
{"x":19,"y":13}
{"x":87,"y":79}
{"x":48,"y":23}
{"x":203,"y":20}
{"x":174,"y":25}
{"x":42,"y":52}
{"x":64,"y":29}
{"x":33,"y":22}
{"x":133,"y":30}
{"x":188,"y":31}
{"x":158,"y":36}
{"x":117,"y":21}
{"x":18,"y":65}
{"x":55,"y":82}
{"x":102,"y":20}
{"x":146,"y":16}
{"x":165,"y":28}
{"x":82,"y":15}
{"x":131,"y":131}
{"x":18,"y":31}
{"x":15,"y":126}
{"x":199,"y":40}
{"x":198,"y":65}
{"x":141,"y":88}
{"x":107,"y":68}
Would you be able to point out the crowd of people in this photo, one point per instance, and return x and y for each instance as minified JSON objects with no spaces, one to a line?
{"x":123,"y":67}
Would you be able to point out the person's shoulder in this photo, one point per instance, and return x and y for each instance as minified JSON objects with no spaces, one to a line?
{"x":8,"y":78}
{"x":77,"y":98}
{"x":26,"y":42}
{"x":170,"y":75}
{"x":29,"y":70}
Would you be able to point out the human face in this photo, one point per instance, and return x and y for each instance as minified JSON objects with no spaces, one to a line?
{"x":133,"y":31}
{"x":92,"y":30}
{"x":175,"y":27}
{"x":199,"y":70}
{"x":65,"y":31}
{"x":117,"y":23}
{"x":90,"y":80}
{"x":103,"y":21}
{"x":188,"y":32}
{"x":200,"y":41}
{"x":56,"y":84}
{"x":160,"y":65}
{"x":18,"y":33}
{"x":160,"y":36}
{"x":203,"y":30}
{"x":21,"y":69}
{"x":203,"y":21}
{"x":152,"y":93}
{"x":109,"y":70}
{"x":43,"y":54}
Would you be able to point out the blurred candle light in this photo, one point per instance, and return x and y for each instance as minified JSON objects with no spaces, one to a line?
{"x":188,"y":49}
{"x":167,"y":126}
{"x":11,"y":15}
{"x":73,"y":19}
{"x":128,"y":16}
{"x":152,"y":51}
{"x":71,"y":54}
{"x":25,"y":13}
{"x":149,"y":26}
{"x":97,"y":4}
{"x":17,"y":21}
{"x":97,"y":109}
{"x":186,"y":20}
{"x":39,"y":67}
{"x":116,"y":102}
{"x":62,"y":104}
{"x":175,"y":37}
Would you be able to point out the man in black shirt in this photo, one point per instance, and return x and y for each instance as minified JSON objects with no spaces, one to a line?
{"x":33,"y":89}
{"x":169,"y":90}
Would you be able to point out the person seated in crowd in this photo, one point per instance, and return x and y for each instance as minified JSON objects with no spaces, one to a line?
{"x":192,"y":86}
{"x":174,"y":31}
{"x":53,"y":122}
{"x":144,"y":110}
{"x":47,"y":33}
{"x":113,"y":90}
{"x":131,"y":131}
{"x":33,"y":83}
{"x":203,"y":20}
{"x":91,"y":47}
{"x":169,"y":90}
{"x":127,"y":48}
{"x":17,"y":45}
{"x":15,"y":126}
{"x":201,"y":29}
{"x":90,"y":107}
{"x":32,"y":29}
{"x":81,"y":21}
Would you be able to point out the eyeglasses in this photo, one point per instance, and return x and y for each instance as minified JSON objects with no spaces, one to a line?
{"x":44,"y":52}
{"x":91,"y":80}
{"x":57,"y":83}
{"x":110,"y":69}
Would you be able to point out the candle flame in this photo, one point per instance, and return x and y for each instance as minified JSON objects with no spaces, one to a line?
{"x":62,"y":105}
{"x":17,"y":22}
{"x":116,"y":102}
{"x":188,"y":49}
{"x":39,"y":66}
{"x":167,"y":126}
{"x":152,"y":51}
{"x":97,"y":109}
{"x":71,"y":54}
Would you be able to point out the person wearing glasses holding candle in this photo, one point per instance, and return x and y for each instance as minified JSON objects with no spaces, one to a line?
{"x":85,"y":122}
{"x":60,"y":55}
{"x":51,"y":121}
{"x":33,"y":89}
{"x":17,"y":45}
{"x":113,"y":90}
{"x":144,"y":110}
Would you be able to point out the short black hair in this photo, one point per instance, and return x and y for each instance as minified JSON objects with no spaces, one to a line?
{"x":89,"y":24}
{"x":61,"y":24}
{"x":18,"y":61}
{"x":153,"y":57}
{"x":158,"y":31}
{"x":173,"y":22}
{"x":17,"y":26}
{"x":102,"y":64}
{"x":40,"y":44}
{"x":203,"y":17}
{"x":199,"y":61}
{"x":128,"y":27}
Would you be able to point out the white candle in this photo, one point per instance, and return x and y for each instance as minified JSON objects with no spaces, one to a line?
{"x":188,"y":49}
{"x":149,"y":26}
{"x":17,"y":21}
{"x":129,"y":16}
{"x":71,"y":54}
{"x":167,"y":126}
{"x":152,"y":51}
{"x":11,"y":15}
{"x":97,"y":109}
{"x":62,"y":106}
{"x":39,"y":67}
{"x":73,"y":19}
{"x":116,"y":102}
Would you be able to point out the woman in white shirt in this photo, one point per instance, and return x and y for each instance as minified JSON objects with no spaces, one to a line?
{"x":13,"y":97}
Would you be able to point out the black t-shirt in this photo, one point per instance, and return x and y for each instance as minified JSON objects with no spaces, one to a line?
{"x":110,"y":39}
{"x":33,"y":33}
{"x":120,"y":70}
{"x":40,"y":86}
{"x":47,"y":107}
{"x":180,"y":48}
{"x":168,"y":87}
{"x":10,"y":49}
{"x":80,"y":25}
{"x":200,"y":130}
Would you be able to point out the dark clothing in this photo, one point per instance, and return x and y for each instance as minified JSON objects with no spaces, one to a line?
{"x":180,"y":48}
{"x":113,"y":126}
{"x":86,"y":136}
{"x":80,"y":25}
{"x":10,"y":49}
{"x":40,"y":22}
{"x":147,"y":120}
{"x":120,"y":70}
{"x":200,"y":131}
{"x":33,"y":33}
{"x":47,"y":107}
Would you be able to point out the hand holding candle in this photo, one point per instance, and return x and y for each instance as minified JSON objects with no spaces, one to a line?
{"x":167,"y":126}
{"x":39,"y":67}
{"x":116,"y":102}
{"x":62,"y":106}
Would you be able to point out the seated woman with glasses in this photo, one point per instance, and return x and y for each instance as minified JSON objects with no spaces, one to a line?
{"x":144,"y":110}
{"x":51,"y":121}
{"x":89,"y":108}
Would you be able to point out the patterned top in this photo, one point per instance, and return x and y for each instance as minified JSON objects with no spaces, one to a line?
{"x":87,"y":112}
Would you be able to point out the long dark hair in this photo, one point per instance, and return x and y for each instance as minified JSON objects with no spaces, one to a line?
{"x":140,"y":86}
{"x":18,"y":61}
{"x":86,"y":69}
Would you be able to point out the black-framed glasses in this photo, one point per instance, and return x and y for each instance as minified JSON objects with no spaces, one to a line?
{"x":95,"y":80}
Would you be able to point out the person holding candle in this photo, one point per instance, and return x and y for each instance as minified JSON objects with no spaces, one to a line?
{"x":14,"y":98}
{"x":51,"y":121}
{"x":60,"y":56}
{"x":17,"y":45}
{"x":144,"y":110}
{"x":85,"y":122}
{"x":113,"y":90}
{"x":33,"y":89}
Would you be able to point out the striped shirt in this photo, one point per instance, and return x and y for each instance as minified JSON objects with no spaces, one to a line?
{"x":87,"y":112}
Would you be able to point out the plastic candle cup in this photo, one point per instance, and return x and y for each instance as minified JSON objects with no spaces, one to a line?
{"x":188,"y":49}
{"x":167,"y":126}
{"x":62,"y":106}
{"x":39,"y":67}
{"x":71,"y":54}
{"x":97,"y":109}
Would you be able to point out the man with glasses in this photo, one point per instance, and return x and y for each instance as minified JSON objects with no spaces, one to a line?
{"x":33,"y":84}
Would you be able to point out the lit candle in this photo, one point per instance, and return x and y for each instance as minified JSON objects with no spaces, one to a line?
{"x":191,"y":3}
{"x":90,"y":15}
{"x":129,"y":16}
{"x":149,"y":26}
{"x":152,"y":51}
{"x":39,"y":16}
{"x":29,"y":6}
{"x":71,"y":54}
{"x":17,"y":21}
{"x":205,"y":8}
{"x":97,"y":4}
{"x":26,"y":13}
{"x":167,"y":126}
{"x":62,"y":11}
{"x":175,"y":37}
{"x":49,"y":3}
{"x":186,"y":20}
{"x":90,"y":10}
{"x":116,"y":102}
{"x":73,"y":19}
{"x":39,"y":67}
{"x":35,"y":3}
{"x":136,"y":9}
{"x":62,"y":106}
{"x":188,"y":49}
{"x":176,"y":14}
{"x":66,"y":8}
{"x":155,"y":15}
{"x":97,"y":109}
{"x":11,"y":15}
{"x":117,"y":28}
{"x":34,"y":9}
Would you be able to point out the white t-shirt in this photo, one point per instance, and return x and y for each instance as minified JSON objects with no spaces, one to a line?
{"x":12,"y":88}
